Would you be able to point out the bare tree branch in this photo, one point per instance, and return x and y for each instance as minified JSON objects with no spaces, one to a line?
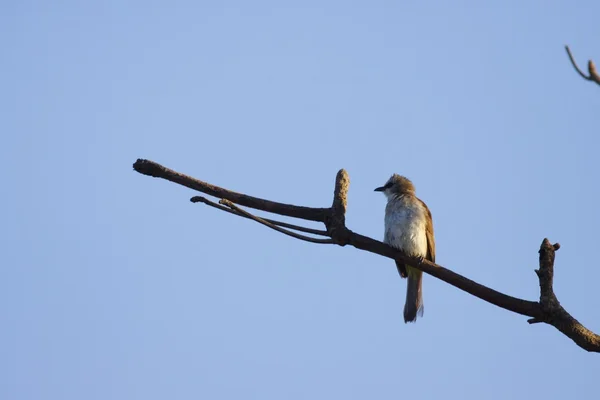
{"x":548,"y":310}
{"x":200,"y":199}
{"x":593,"y":74}
{"x":554,"y":313}
{"x":156,"y":170}
{"x":336,"y":222}
{"x":272,"y":226}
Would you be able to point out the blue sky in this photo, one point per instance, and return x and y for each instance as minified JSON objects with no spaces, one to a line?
{"x":114,"y":286}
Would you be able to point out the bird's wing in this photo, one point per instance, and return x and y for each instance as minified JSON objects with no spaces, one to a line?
{"x":429,"y":233}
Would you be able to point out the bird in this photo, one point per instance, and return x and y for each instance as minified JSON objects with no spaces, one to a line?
{"x":408,"y":227}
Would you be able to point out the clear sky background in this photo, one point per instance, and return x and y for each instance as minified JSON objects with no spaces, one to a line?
{"x":114,"y":286}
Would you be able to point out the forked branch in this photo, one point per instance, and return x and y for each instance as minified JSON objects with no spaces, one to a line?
{"x":548,"y":310}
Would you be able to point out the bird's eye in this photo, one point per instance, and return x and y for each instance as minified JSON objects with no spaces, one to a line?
{"x":388,"y":185}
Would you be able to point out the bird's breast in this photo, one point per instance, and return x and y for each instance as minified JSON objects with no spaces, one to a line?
{"x":405,"y":227}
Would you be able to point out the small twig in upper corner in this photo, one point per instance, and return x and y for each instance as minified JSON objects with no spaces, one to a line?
{"x":272,"y":226}
{"x":201,"y":199}
{"x":594,"y":77}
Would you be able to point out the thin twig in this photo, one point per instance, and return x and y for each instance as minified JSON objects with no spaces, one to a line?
{"x":575,"y":65}
{"x":594,"y":77}
{"x":272,"y":226}
{"x":200,"y":199}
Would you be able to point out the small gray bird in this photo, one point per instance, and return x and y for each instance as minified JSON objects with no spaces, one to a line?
{"x":408,"y":227}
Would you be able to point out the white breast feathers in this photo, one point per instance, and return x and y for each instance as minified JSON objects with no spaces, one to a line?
{"x":405,"y":225}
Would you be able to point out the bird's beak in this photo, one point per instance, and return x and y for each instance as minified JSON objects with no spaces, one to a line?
{"x":380,"y":189}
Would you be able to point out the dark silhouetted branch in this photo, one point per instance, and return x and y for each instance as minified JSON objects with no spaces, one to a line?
{"x":272,"y":226}
{"x":593,"y":73}
{"x":156,"y":170}
{"x":548,"y":310}
{"x":553,"y":313}
{"x":200,"y":199}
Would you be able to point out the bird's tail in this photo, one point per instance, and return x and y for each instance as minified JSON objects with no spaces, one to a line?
{"x":414,"y":295}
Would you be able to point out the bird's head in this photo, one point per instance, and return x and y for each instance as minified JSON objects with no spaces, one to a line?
{"x":397,"y":185}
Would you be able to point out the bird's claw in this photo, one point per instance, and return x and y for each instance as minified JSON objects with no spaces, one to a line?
{"x":420,"y":259}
